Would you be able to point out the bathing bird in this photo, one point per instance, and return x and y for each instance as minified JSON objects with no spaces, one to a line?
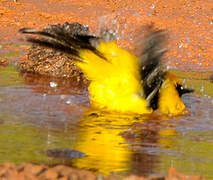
{"x":119,"y":80}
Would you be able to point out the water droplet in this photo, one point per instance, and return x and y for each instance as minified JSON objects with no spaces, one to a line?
{"x":168,"y":67}
{"x":152,"y":6}
{"x":68,"y":101}
{"x":53,"y":84}
{"x":114,"y":21}
{"x":202,"y":89}
{"x":188,"y":39}
{"x":149,"y":14}
{"x":181,"y":45}
{"x":189,"y":53}
{"x":62,"y":96}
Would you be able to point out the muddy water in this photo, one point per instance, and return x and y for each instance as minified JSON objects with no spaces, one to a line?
{"x":38,"y":113}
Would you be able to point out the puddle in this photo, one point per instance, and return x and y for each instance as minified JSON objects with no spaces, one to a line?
{"x":39,"y":113}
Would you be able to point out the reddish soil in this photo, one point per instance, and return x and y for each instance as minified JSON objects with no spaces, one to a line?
{"x":61,"y":172}
{"x":189,"y":22}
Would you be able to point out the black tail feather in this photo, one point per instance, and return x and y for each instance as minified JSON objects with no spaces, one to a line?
{"x":152,"y":69}
{"x":54,"y":45}
{"x":60,"y":40}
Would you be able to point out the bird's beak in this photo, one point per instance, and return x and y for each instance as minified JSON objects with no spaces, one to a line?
{"x":181,"y":90}
{"x":187,"y":90}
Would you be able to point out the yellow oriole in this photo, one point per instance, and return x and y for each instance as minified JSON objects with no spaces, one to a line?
{"x":119,"y":80}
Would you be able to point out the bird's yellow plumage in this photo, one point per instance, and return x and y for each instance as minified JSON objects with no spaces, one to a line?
{"x":169,"y":99}
{"x":119,"y":80}
{"x":115,"y":82}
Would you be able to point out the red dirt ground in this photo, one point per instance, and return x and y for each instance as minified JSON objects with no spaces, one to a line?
{"x":189,"y":22}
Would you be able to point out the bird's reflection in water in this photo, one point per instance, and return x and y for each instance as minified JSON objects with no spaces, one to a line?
{"x":119,"y":143}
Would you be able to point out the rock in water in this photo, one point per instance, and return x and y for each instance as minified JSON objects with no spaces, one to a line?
{"x":64,"y":153}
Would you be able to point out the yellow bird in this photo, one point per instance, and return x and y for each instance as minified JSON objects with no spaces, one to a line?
{"x":119,"y":80}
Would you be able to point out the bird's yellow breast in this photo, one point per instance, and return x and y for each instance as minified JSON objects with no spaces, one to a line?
{"x":115,"y":82}
{"x":169,"y":100}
